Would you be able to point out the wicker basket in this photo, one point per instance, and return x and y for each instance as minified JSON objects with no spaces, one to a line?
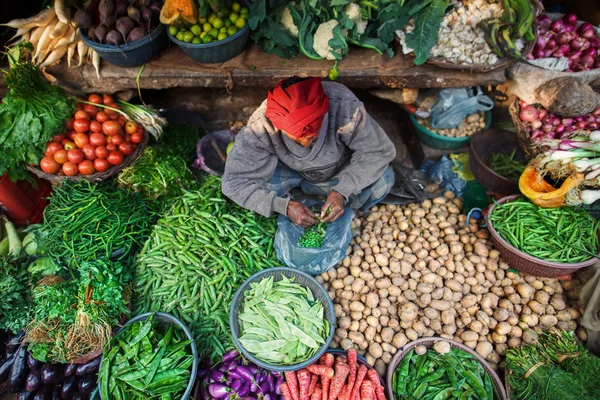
{"x":523,"y":261}
{"x":99,"y":176}
{"x":523,"y":134}
{"x":429,"y":342}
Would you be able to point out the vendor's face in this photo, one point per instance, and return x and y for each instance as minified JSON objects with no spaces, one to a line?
{"x":305,"y":141}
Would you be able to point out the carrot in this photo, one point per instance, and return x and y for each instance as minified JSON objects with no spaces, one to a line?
{"x":340,"y":359}
{"x":323,"y":370}
{"x":366,"y":391}
{"x":352,"y":357}
{"x":374,"y":378}
{"x":360,"y":376}
{"x":285,"y":391}
{"x":327,"y":359}
{"x":304,"y":383}
{"x":292,"y":381}
{"x":313,"y":384}
{"x":344,"y":393}
{"x":341,"y":373}
{"x":316,"y":394}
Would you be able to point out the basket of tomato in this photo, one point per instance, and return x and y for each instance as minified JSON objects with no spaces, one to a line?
{"x":98,"y":142}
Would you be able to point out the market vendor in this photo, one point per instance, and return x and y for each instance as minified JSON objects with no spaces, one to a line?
{"x":313,"y":135}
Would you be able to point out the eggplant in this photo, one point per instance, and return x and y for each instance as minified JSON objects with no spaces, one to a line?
{"x":41,"y":394}
{"x":218,"y":390}
{"x":52,"y":373}
{"x":77,"y":396}
{"x":87,"y":384}
{"x":33,"y":383}
{"x":91,"y":367}
{"x":13,"y":344}
{"x":230,"y":355}
{"x":5,"y":368}
{"x":32,"y":363}
{"x":69,"y":388}
{"x":70,"y":370}
{"x":24,"y":395}
{"x":56,"y":392}
{"x":18,"y":372}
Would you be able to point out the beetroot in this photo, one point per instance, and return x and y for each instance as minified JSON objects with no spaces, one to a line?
{"x":136,"y":34}
{"x":134,"y":14}
{"x":101,"y":31}
{"x":121,"y":8}
{"x":106,"y":8}
{"x":83,"y":19}
{"x":91,"y":34}
{"x":114,"y":38}
{"x":124,"y":25}
{"x":146,"y":14}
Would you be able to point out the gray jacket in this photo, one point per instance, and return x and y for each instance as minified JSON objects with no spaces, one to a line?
{"x":351,"y":146}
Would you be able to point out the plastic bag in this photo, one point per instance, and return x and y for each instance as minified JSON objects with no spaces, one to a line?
{"x":313,"y":261}
{"x":454,"y":105}
{"x":443,"y":173}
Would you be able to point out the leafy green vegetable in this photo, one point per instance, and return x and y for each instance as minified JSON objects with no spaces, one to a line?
{"x":14,"y":294}
{"x":427,"y":24}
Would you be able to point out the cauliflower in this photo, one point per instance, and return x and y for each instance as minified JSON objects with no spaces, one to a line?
{"x":288,"y":22}
{"x":352,"y":10}
{"x":322,"y":37}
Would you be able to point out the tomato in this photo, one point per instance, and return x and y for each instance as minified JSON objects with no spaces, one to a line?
{"x":101,"y":116}
{"x":137,"y":138}
{"x":81,"y":125}
{"x":126,"y":148}
{"x":140,"y":129}
{"x":81,"y":114}
{"x":101,"y":165}
{"x":122,"y":121}
{"x":107,"y":99}
{"x":61,"y":156}
{"x":114,"y":116}
{"x":95,"y":126}
{"x":97,"y":139}
{"x":52,"y":148}
{"x":115,"y":157}
{"x":69,"y":145}
{"x":49,"y":165}
{"x":111,"y":128}
{"x":71,"y":136}
{"x":59,"y":138}
{"x":114,"y":105}
{"x":70,"y":169}
{"x":86,"y":167}
{"x":111,"y":147}
{"x":117,"y":140}
{"x":81,"y":139}
{"x":75,"y":156}
{"x":69,"y":124}
{"x":131,"y":127}
{"x":101,"y":152}
{"x":79,"y":106}
{"x":91,"y":110}
{"x":95,"y":98}
{"x":127,"y":138}
{"x":89,"y":151}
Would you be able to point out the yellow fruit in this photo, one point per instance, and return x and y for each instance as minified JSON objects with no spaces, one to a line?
{"x":217,"y":23}
{"x":197,"y":40}
{"x":203,"y":34}
{"x":227,"y":23}
{"x":232,"y":30}
{"x":236,"y":7}
{"x":196,"y":29}
{"x":188,"y":37}
{"x":222,"y":36}
{"x":206,"y":27}
{"x":223,"y":30}
{"x":173,"y":30}
{"x":202,"y":21}
{"x":233,"y":17}
{"x":214,"y":33}
{"x":211,"y":18}
{"x":180,"y":36}
{"x":245,"y":11}
{"x":240,"y":23}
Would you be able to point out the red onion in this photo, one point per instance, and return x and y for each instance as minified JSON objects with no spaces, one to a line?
{"x":542,"y":113}
{"x":557,"y":26}
{"x":589,"y":53}
{"x":592,"y":126}
{"x":597,"y":62}
{"x":548,"y":128}
{"x":560,"y":128}
{"x":522,"y":104}
{"x":544,"y":21}
{"x":551,"y":45}
{"x":558,"y":53}
{"x":596,"y":112}
{"x":565,"y":48}
{"x":567,"y":121}
{"x":541,"y":41}
{"x":589,"y":118}
{"x":587,"y":34}
{"x":570,"y":19}
{"x":578,"y":43}
{"x":595,"y":42}
{"x":564,"y":37}
{"x":587,"y":61}
{"x":537,"y":124}
{"x":580,"y":125}
{"x":530,"y":56}
{"x":569,"y":28}
{"x":539,"y":53}
{"x":555,"y":121}
{"x":528,"y":114}
{"x":571,"y":128}
{"x":586,"y":26}
{"x":547,"y":53}
{"x":536,"y":134}
{"x":578,"y":119}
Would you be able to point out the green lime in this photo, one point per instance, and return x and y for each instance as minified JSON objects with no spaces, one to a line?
{"x":180,"y":36}
{"x":236,"y":7}
{"x":229,"y":148}
{"x":227,"y":23}
{"x":202,"y":21}
{"x":196,"y":29}
{"x":197,"y":40}
{"x":214,"y":33}
{"x":223,"y":30}
{"x":217,"y":23}
{"x":240,"y":23}
{"x":222,"y":36}
{"x":188,"y":37}
{"x":207,"y":39}
{"x":233,"y":17}
{"x":211,"y":18}
{"x":203,"y":34}
{"x":232,"y":30}
{"x":206,"y":27}
{"x":173,"y":30}
{"x":245,"y":11}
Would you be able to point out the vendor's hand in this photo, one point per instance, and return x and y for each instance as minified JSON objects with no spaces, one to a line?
{"x":300,"y":215}
{"x":335,"y":204}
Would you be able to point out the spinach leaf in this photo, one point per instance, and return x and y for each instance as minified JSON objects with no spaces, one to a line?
{"x":425,"y":35}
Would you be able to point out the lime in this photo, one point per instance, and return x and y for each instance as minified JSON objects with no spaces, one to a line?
{"x":180,"y":36}
{"x":197,"y":40}
{"x":211,"y":18}
{"x":207,"y":39}
{"x":236,"y":7}
{"x":222,"y":36}
{"x":229,"y":148}
{"x":206,"y":27}
{"x":188,"y":37}
{"x":240,"y":23}
{"x":217,"y":23}
{"x":196,"y":29}
{"x":244,"y":11}
{"x":227,"y":23}
{"x":203,"y":34}
{"x":202,"y":21}
{"x":233,"y":17}
{"x":232,"y":30}
{"x":173,"y":30}
{"x":223,"y":30}
{"x":214,"y":33}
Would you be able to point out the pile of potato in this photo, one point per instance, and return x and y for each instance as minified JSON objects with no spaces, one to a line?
{"x":471,"y":124}
{"x":423,"y":270}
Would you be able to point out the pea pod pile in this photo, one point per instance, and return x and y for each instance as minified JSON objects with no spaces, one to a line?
{"x":146,"y":360}
{"x":506,"y":165}
{"x":564,"y":235}
{"x":434,"y":376}
{"x":198,"y":254}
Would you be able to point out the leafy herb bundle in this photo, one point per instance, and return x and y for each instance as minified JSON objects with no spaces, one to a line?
{"x":14,"y":294}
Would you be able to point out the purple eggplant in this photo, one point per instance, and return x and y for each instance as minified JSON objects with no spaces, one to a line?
{"x":69,"y":387}
{"x":91,"y":367}
{"x":230,"y":355}
{"x":13,"y":344}
{"x":245,"y":373}
{"x":254,"y":387}
{"x":244,"y":390}
{"x":70,"y":370}
{"x":218,"y":376}
{"x":236,"y":385}
{"x":5,"y":368}
{"x":56,"y":392}
{"x":235,"y":375}
{"x":24,"y":395}
{"x":268,"y":396}
{"x":278,"y":384}
{"x":33,"y":383}
{"x":87,"y":385}
{"x":42,"y":395}
{"x":32,"y":363}
{"x":77,"y":396}
{"x":18,"y":372}
{"x":204,"y":391}
{"x":202,"y":372}
{"x":253,"y":368}
{"x":218,"y":390}
{"x":271,"y":382}
{"x":52,"y":373}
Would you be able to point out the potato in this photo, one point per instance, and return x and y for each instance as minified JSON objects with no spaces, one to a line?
{"x":344,"y":323}
{"x":548,"y":320}
{"x":525,"y":290}
{"x":441,"y":347}
{"x":399,"y":340}
{"x":484,"y":348}
{"x":420,"y":350}
{"x":469,"y":336}
{"x":440,"y":305}
{"x":357,"y":306}
{"x":530,"y":337}
{"x":503,"y":328}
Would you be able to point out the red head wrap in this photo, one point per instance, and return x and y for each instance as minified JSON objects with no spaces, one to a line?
{"x":298,"y":109}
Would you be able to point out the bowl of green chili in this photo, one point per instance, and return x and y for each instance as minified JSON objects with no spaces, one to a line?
{"x":549,"y":242}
